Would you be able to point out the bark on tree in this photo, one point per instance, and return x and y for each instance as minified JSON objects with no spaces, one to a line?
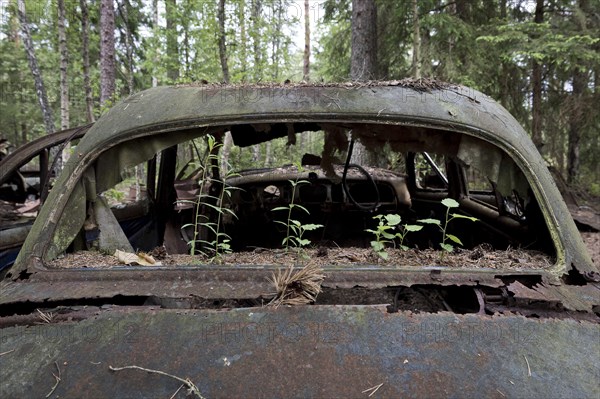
{"x":107,"y":50}
{"x":155,"y":35}
{"x":242,"y":20}
{"x":35,"y":70}
{"x":222,"y":41}
{"x":256,"y":11}
{"x":85,"y":53}
{"x":536,"y":82}
{"x":416,"y":61}
{"x":268,"y":154}
{"x":258,"y":67}
{"x":225,"y":153}
{"x":128,"y":46}
{"x":64,"y":64}
{"x":172,"y":46}
{"x":576,"y":122}
{"x":306,"y":66}
{"x":185,"y":26}
{"x":575,"y":126}
{"x":363,"y":60}
{"x":277,"y":10}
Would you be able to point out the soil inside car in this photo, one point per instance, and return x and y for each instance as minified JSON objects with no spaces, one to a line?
{"x":480,"y":257}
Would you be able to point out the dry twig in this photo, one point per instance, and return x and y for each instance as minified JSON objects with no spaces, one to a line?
{"x":7,"y":352}
{"x":373,"y":389}
{"x":46,"y":317}
{"x":192,"y":388}
{"x":528,"y":368}
{"x":57,"y":377}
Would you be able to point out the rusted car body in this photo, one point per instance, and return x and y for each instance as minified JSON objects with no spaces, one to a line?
{"x":17,"y":184}
{"x":376,"y":330}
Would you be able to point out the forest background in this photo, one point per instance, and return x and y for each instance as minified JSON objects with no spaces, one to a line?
{"x":64,"y":62}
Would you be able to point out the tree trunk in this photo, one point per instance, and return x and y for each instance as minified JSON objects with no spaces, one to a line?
{"x":277,"y":10}
{"x":242,"y":20}
{"x":536,"y":82}
{"x":575,"y":125}
{"x":35,"y":70}
{"x":577,"y":122}
{"x":155,"y":37}
{"x":64,"y":64}
{"x":363,"y":59}
{"x":107,"y":51}
{"x":185,"y":26}
{"x":85,"y":49}
{"x":268,"y":154}
{"x":222,"y":41}
{"x":128,"y":46}
{"x":256,"y":39}
{"x":172,"y":47}
{"x":306,"y":67}
{"x":416,"y":61}
{"x":225,"y":153}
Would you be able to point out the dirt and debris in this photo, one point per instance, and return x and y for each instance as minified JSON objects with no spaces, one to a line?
{"x":592,"y":242}
{"x":479,"y":257}
{"x":421,"y":84}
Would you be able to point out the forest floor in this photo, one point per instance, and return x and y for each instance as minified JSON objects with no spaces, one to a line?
{"x":480,"y":257}
{"x":592,"y":242}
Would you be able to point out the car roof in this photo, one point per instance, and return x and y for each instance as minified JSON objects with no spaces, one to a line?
{"x":179,"y":109}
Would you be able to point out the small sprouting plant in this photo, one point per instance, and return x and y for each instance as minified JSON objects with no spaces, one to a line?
{"x":449,"y":203}
{"x":294,"y":236}
{"x":221,"y":243}
{"x":384,"y":233}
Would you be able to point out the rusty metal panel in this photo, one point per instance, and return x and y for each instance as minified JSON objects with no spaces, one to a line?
{"x":217,"y":282}
{"x":26,"y":152}
{"x":572,"y":297}
{"x":307,"y":351}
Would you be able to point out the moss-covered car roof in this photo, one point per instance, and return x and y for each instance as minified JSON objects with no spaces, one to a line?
{"x":172,"y":114}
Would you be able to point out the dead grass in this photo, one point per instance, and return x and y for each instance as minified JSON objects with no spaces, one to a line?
{"x":296,"y":287}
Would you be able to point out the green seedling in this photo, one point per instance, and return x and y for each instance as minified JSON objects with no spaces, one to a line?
{"x":384,"y":233}
{"x":221,"y":244}
{"x":449,"y":203}
{"x":294,"y":228}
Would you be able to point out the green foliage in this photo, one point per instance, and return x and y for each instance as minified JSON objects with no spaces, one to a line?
{"x":449,"y":203}
{"x":294,"y":236}
{"x":220,"y":244}
{"x":387,"y":232}
{"x":114,"y":194}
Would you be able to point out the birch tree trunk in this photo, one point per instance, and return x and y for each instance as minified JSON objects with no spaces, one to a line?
{"x":107,"y":51}
{"x":85,"y":50}
{"x":64,"y":81}
{"x":306,"y":65}
{"x":256,"y":38}
{"x":35,"y":70}
{"x":222,"y":41}
{"x":243,"y":55}
{"x":536,"y":81}
{"x":64,"y":65}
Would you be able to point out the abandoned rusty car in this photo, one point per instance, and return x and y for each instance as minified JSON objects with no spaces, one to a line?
{"x":411,"y":243}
